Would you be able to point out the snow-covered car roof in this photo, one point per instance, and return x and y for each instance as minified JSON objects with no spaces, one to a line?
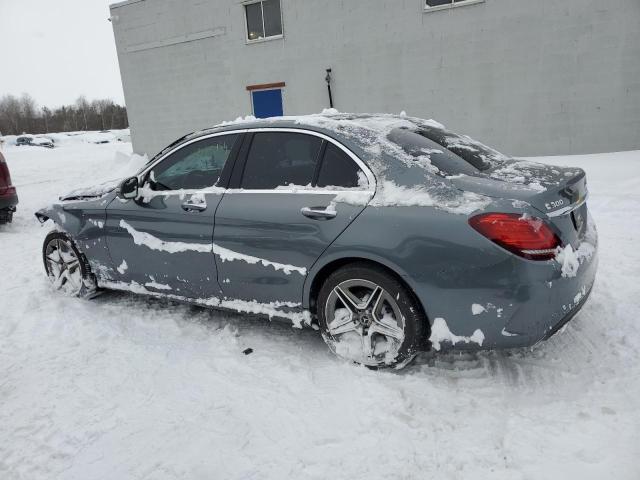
{"x":403,"y":178}
{"x":415,"y":162}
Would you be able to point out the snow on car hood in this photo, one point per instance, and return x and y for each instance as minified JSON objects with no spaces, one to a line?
{"x":88,"y":193}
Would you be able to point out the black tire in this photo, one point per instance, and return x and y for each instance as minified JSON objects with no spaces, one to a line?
{"x":87,"y":286}
{"x":415,"y":325}
{"x":6,"y":216}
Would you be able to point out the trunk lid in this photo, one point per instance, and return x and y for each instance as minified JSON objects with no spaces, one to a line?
{"x":558,"y":192}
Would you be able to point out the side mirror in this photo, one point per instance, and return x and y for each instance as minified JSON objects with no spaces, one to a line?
{"x":128,"y":189}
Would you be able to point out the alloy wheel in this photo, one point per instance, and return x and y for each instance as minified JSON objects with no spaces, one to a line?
{"x":364,"y":323}
{"x":63,"y":266}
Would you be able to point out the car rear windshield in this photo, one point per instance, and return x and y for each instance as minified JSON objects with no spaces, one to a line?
{"x":422,"y":148}
{"x":475,"y":153}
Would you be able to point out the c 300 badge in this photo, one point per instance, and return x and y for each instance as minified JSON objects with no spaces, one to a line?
{"x":554,"y":205}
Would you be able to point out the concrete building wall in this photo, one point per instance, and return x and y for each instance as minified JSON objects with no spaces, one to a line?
{"x":529,"y":78}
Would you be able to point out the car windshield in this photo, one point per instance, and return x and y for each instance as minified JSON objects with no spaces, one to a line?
{"x":422,"y":149}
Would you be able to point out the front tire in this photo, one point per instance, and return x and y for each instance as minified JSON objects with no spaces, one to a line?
{"x":370,"y":317}
{"x":66,"y":267}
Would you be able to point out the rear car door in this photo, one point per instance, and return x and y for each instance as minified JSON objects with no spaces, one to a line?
{"x":162,"y":240}
{"x":285,"y":213}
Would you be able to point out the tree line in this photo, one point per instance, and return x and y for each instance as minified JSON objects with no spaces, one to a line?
{"x":22,"y":114}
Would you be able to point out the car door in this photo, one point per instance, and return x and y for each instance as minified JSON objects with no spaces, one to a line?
{"x":162,"y":240}
{"x":285,"y":213}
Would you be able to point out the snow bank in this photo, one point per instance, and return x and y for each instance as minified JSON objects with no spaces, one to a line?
{"x":75,"y":138}
{"x":133,"y":387}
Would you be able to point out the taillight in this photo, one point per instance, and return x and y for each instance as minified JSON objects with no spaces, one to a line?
{"x":526,"y":236}
{"x":5,"y":177}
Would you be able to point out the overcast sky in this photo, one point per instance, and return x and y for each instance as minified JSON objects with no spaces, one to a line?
{"x":57,"y":50}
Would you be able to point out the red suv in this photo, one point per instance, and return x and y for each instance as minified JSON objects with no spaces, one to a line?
{"x":8,"y":195}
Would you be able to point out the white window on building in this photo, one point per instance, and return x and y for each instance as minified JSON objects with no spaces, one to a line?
{"x":264,"y":19}
{"x":439,"y":4}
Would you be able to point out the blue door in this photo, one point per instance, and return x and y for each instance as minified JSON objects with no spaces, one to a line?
{"x":267,"y":103}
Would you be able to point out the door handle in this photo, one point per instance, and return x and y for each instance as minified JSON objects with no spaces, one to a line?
{"x":194,"y":207}
{"x":319,"y":213}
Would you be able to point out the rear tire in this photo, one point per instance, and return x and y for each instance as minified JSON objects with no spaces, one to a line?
{"x":67,"y":267}
{"x":6,"y":216}
{"x":370,"y":317}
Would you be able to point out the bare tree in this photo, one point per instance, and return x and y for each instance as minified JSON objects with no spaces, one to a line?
{"x":10,"y":114}
{"x":46,"y":113}
{"x":19,"y":115}
{"x":83,"y":109}
{"x":28,"y":110}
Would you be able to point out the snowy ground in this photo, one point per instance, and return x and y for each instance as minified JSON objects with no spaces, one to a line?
{"x":125,"y":387}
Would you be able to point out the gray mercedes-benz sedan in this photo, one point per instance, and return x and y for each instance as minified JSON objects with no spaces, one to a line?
{"x":389,"y":234}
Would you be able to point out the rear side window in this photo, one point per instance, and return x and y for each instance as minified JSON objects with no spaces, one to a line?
{"x":279,"y":159}
{"x":339,"y":170}
{"x":425,"y":150}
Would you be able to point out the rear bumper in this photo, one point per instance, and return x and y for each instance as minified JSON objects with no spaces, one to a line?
{"x":514,"y":305}
{"x":9,"y":200}
{"x":568,"y":317}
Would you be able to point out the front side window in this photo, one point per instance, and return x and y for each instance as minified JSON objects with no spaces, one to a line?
{"x":281,"y":159}
{"x":264,"y":19}
{"x":194,"y":167}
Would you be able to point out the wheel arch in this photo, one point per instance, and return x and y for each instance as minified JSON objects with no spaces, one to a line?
{"x":321,"y":271}
{"x":63,"y":220}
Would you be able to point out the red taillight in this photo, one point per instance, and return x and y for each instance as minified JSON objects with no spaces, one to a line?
{"x":526,"y":236}
{"x":5,"y":177}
